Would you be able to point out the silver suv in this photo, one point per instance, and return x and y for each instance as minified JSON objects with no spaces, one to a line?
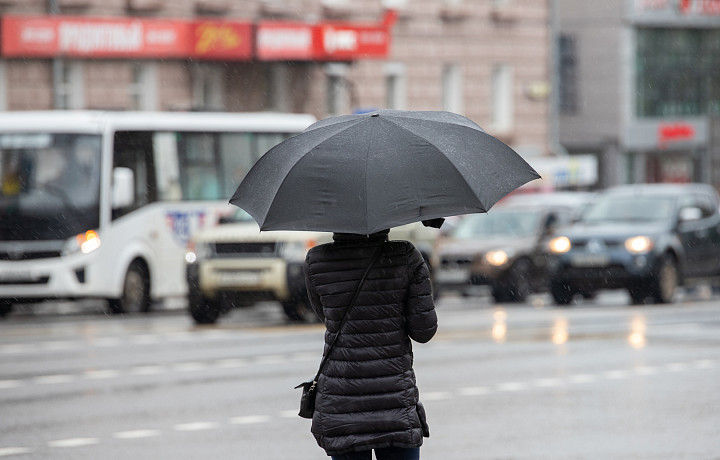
{"x":235,"y":264}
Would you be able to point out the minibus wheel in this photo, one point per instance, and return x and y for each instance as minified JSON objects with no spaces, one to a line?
{"x":135,"y":295}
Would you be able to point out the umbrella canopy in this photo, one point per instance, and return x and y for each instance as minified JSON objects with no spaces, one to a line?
{"x":365,"y":173}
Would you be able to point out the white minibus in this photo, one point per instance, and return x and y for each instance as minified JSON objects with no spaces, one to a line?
{"x":98,"y":204}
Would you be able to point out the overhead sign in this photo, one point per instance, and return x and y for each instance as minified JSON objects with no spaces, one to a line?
{"x":50,"y":36}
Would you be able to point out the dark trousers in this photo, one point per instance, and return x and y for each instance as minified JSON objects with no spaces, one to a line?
{"x":388,"y":453}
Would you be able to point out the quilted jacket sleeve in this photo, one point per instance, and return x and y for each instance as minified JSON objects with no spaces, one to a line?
{"x":420,"y":313}
{"x":313,"y":296}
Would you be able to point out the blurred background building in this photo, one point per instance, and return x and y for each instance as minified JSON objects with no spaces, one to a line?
{"x":486,"y":59}
{"x":639,"y":87}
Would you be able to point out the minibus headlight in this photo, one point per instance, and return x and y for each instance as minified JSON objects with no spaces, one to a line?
{"x":84,"y":243}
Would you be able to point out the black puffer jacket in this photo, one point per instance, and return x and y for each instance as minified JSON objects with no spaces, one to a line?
{"x":367,"y":397}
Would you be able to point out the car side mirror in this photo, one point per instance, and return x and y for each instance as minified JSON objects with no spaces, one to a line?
{"x":689,"y":214}
{"x":123,"y":187}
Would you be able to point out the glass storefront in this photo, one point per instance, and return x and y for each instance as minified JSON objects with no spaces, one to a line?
{"x":678,"y":72}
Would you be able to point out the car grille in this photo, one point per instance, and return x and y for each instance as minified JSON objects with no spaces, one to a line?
{"x":252,"y":248}
{"x":455,"y":262}
{"x":29,"y":255}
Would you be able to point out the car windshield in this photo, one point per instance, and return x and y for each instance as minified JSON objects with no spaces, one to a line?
{"x":498,"y":223}
{"x":50,"y":185}
{"x":615,"y":208}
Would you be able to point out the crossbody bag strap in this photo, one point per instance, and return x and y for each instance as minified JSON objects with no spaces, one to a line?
{"x":374,"y":259}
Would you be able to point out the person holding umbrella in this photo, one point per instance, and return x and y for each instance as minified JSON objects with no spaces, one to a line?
{"x":358,"y":176}
{"x":367,"y":397}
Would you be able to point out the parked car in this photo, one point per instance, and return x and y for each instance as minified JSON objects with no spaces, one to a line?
{"x":235,"y":264}
{"x":648,"y":239}
{"x":504,"y":249}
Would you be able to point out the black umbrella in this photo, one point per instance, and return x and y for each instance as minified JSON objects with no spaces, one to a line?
{"x":365,"y":173}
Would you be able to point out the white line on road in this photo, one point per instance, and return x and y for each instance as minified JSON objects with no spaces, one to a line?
{"x":53,"y":379}
{"x":8,"y":451}
{"x":9,"y":384}
{"x":136,"y":434}
{"x":100,"y":374}
{"x":249,"y":419}
{"x":74,"y":442}
{"x":196,"y":426}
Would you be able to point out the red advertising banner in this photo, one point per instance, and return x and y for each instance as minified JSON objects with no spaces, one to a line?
{"x":284,"y":40}
{"x":50,"y":36}
{"x":346,"y":42}
{"x":76,"y":36}
{"x":222,"y":40}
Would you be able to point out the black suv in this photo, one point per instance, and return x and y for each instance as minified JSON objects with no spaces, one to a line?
{"x":646,"y":238}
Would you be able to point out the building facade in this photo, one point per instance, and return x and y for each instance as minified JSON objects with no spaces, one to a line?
{"x":486,"y":59}
{"x":639,"y":87}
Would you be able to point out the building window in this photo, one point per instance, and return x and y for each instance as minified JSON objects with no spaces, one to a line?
{"x":143,"y":89}
{"x":338,"y":96}
{"x":567,"y":76}
{"x":70,"y":88}
{"x":452,"y":88}
{"x":208,"y":87}
{"x":502,"y":98}
{"x":395,"y":86}
{"x":678,"y":72}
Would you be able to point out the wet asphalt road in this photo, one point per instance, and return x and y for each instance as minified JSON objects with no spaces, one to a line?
{"x":601,"y":380}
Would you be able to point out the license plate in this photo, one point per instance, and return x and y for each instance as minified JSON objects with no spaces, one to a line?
{"x":590,"y":260}
{"x":238,"y":278}
{"x":452,"y":276}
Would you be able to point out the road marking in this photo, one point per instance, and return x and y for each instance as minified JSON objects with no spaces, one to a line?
{"x":512,"y":386}
{"x":231,"y":363}
{"x":705,"y":364}
{"x":74,"y":442}
{"x":196,"y":426}
{"x":474,"y":391}
{"x":189,"y":367}
{"x":249,"y":419}
{"x":547,"y":383}
{"x":646,"y":370}
{"x":148,"y":370}
{"x":9,"y":384}
{"x":136,"y":434}
{"x":100,"y":374}
{"x":436,"y":395}
{"x":616,"y":375}
{"x":7,"y":451}
{"x":53,"y":379}
{"x":288,"y":413}
{"x":582,"y":378}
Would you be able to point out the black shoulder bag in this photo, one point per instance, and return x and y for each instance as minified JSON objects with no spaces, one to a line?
{"x":307,"y":400}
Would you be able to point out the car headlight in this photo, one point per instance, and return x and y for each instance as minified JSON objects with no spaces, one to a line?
{"x":196,"y":251}
{"x":295,"y":251}
{"x":497,"y":258}
{"x":639,"y":245}
{"x":85,"y":243}
{"x":560,"y":245}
